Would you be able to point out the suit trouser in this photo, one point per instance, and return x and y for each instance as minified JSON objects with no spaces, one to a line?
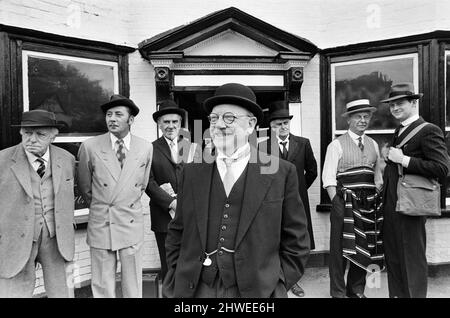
{"x":104,"y":268}
{"x":56,"y":281}
{"x":404,"y":239}
{"x":356,"y":276}
{"x":161,"y":241}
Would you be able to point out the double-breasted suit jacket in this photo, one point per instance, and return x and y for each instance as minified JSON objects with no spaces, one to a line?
{"x":17,"y":210}
{"x":301,"y":155}
{"x":165,"y":170}
{"x":272,"y":241}
{"x":114,"y":194}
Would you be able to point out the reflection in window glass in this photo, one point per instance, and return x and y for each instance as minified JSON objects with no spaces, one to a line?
{"x":371,"y":79}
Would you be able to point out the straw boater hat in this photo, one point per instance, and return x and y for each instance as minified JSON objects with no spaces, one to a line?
{"x":402,"y":90}
{"x":236,"y":94}
{"x":279,"y":110}
{"x":119,"y":100}
{"x":168,"y":106}
{"x":359,"y":105}
{"x":38,"y":118}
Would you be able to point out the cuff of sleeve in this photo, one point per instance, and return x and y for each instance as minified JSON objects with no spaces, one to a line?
{"x":405,"y":161}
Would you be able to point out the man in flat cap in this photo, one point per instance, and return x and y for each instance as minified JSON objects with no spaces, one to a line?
{"x":170,"y":152}
{"x":425,"y":154}
{"x":113,"y":173}
{"x":37,"y":213}
{"x":352,"y":176}
{"x":239,"y":229}
{"x":297,"y":150}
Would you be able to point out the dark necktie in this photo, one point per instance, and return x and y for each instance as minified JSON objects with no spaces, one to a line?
{"x":284,"y":154}
{"x":396,"y":133}
{"x":360,"y":144}
{"x":41,"y":169}
{"x":120,"y":152}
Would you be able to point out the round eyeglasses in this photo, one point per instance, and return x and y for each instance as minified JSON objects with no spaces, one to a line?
{"x":228,"y":117}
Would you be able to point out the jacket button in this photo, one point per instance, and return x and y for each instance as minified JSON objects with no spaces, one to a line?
{"x":191,"y":285}
{"x":224,"y":227}
{"x":22,"y":235}
{"x":227,"y":205}
{"x":107,"y":223}
{"x":220,"y":253}
{"x":105,"y":185}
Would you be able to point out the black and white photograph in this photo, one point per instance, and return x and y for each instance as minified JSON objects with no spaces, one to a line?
{"x":232,"y":152}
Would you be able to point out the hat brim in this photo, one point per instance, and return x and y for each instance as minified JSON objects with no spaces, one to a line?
{"x":413,"y":96}
{"x":235,"y":100}
{"x":169,"y":110}
{"x":40,"y":125}
{"x":280,"y":117}
{"x":360,"y":110}
{"x":134,"y":110}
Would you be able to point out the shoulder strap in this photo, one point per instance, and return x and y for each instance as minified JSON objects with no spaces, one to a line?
{"x":411,"y":134}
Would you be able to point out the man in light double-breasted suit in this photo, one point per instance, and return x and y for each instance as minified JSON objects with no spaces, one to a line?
{"x":113,"y":173}
{"x":36,"y":214}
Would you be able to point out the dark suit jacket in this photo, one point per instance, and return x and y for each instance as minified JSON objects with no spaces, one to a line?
{"x":272,"y":242}
{"x":165,"y":170}
{"x":428,"y":154}
{"x":301,"y":155}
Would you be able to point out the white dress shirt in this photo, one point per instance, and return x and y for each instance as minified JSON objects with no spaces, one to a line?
{"x":334,"y":154}
{"x":241,"y":158}
{"x":126,"y":142}
{"x":35,"y":164}
{"x":281,"y":146}
{"x":173,"y":149}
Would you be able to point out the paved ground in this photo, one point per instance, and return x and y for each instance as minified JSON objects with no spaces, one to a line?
{"x":316,"y":284}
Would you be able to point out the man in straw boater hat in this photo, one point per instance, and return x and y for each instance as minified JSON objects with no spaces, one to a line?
{"x":170,"y":152}
{"x":237,"y":231}
{"x":37,"y":198}
{"x":351,"y":175}
{"x":113,"y":173}
{"x":425,"y":154}
{"x":297,"y":150}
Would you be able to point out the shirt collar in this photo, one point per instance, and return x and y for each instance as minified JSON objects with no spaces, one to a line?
{"x":169,"y":141}
{"x":281,"y":140}
{"x":32,"y":158}
{"x":410,"y":120}
{"x":126,"y":141}
{"x":354,"y":136}
{"x":241,"y":153}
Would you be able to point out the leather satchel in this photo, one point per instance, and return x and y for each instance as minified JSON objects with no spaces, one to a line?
{"x":417,"y":195}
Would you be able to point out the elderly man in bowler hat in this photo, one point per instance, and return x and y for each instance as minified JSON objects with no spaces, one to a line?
{"x":37,"y":197}
{"x":237,"y":232}
{"x":425,"y":154}
{"x":352,"y":176}
{"x":170,"y":152}
{"x":113,"y":173}
{"x":297,"y":150}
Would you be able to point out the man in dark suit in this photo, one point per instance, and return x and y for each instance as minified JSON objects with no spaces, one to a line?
{"x":298,"y":151}
{"x":240,"y":229}
{"x":170,"y":152}
{"x":426,"y":155}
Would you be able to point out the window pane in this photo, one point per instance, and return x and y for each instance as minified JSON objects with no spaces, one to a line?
{"x":447,"y":88}
{"x":370,"y":80}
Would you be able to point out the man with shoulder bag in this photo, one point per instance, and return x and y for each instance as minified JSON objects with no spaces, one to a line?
{"x":416,"y":160}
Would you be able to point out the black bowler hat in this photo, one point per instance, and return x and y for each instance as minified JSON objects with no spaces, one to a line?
{"x":359,"y":105}
{"x":402,"y":90}
{"x":279,"y":110}
{"x":38,"y":118}
{"x":119,"y":100}
{"x":168,"y":106}
{"x":236,"y":94}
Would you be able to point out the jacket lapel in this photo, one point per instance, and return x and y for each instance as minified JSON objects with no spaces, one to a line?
{"x":293,"y":148}
{"x":253,"y":197}
{"x":109,"y":157}
{"x":201,"y":187}
{"x":21,"y":168}
{"x":164,"y":148}
{"x":56,"y":168}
